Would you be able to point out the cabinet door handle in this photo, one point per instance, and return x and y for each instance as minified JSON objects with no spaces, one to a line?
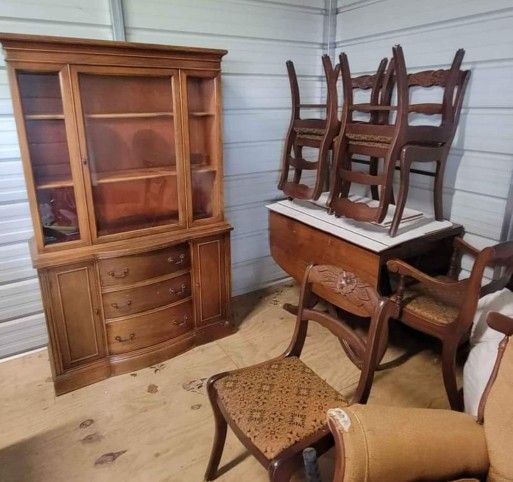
{"x":181,"y":323}
{"x":124,"y":340}
{"x":181,"y":292}
{"x":180,"y":260}
{"x":118,"y":274}
{"x":117,"y":306}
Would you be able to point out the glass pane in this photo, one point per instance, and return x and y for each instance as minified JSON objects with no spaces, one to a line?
{"x":46,"y":136}
{"x":203,"y":138}
{"x":129,"y":122}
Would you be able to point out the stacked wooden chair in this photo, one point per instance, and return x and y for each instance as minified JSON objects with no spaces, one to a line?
{"x":317,"y":133}
{"x":350,"y":87}
{"x":396,"y":141}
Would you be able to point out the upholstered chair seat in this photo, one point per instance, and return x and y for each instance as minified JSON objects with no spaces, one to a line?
{"x":277,"y":403}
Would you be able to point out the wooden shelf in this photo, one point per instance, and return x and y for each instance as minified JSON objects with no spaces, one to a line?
{"x":129,"y":115}
{"x":44,"y":117}
{"x":201,"y":169}
{"x":133,"y":174}
{"x":54,"y":182}
{"x":201,"y":114}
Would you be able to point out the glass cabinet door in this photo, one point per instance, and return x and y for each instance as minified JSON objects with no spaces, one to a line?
{"x":204,"y":144}
{"x":47,"y":144}
{"x":130,"y":137}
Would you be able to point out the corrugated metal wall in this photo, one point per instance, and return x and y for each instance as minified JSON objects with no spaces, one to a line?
{"x":260,"y":37}
{"x":22,"y":325}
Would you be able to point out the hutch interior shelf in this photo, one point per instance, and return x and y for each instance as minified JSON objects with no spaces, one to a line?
{"x":122,"y":154}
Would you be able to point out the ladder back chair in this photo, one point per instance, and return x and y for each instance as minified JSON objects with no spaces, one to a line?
{"x":372,"y":83}
{"x":454,"y":83}
{"x":278,"y":408}
{"x":315,"y":133}
{"x":397,"y":141}
{"x":444,"y":307}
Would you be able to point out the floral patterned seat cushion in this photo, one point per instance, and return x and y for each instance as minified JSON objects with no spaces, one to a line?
{"x":420,"y":302}
{"x":278,"y":403}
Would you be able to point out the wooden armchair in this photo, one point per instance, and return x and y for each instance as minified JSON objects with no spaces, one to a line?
{"x":278,"y":408}
{"x":390,"y":444}
{"x":444,"y":306}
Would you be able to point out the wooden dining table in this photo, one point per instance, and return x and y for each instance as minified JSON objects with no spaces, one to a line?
{"x":301,"y":235}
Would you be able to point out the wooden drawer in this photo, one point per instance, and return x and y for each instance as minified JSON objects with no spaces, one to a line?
{"x":142,"y":298}
{"x":149,"y":328}
{"x":130,"y":269}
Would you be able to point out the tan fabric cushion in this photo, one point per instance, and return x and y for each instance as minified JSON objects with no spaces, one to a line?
{"x":420,"y":302}
{"x":498,"y":421}
{"x":278,"y":403}
{"x":395,"y":444}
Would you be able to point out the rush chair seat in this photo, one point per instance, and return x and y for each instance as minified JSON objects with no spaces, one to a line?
{"x":278,"y":408}
{"x":444,"y":307}
{"x":391,"y":444}
{"x":397,"y":141}
{"x":316,"y":133}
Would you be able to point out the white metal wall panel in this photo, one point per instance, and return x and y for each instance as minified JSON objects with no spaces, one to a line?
{"x":480,"y":167}
{"x":22,"y":324}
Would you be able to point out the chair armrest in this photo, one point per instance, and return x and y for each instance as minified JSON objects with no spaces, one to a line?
{"x":466,"y":248}
{"x":394,"y":444}
{"x":451,"y":292}
{"x":500,"y":322}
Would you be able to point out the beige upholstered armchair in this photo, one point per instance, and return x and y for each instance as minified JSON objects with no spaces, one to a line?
{"x":387,"y":444}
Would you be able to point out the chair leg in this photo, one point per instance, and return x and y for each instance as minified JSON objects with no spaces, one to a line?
{"x":403,"y":195}
{"x":219,"y":435}
{"x":281,"y":470}
{"x":449,"y":351}
{"x":438,"y":191}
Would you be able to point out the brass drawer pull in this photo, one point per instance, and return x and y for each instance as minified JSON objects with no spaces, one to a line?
{"x":180,"y":260}
{"x":181,"y":323}
{"x":118,"y":274}
{"x":173,"y":291}
{"x":118,"y":307}
{"x":131,"y":337}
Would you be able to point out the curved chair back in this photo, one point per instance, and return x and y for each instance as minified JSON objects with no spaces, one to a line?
{"x":499,"y":257}
{"x":344,"y":289}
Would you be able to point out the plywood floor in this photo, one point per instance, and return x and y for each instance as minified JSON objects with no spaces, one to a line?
{"x":156,"y":424}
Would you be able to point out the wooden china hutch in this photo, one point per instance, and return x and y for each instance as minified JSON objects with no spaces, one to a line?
{"x":122,"y":154}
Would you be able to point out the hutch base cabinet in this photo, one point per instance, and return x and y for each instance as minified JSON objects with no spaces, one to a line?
{"x":122,"y":153}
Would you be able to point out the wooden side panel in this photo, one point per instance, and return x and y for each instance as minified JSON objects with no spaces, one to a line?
{"x":210,"y":290}
{"x":76,"y":315}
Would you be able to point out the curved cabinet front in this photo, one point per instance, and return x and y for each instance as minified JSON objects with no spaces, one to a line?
{"x":149,"y":328}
